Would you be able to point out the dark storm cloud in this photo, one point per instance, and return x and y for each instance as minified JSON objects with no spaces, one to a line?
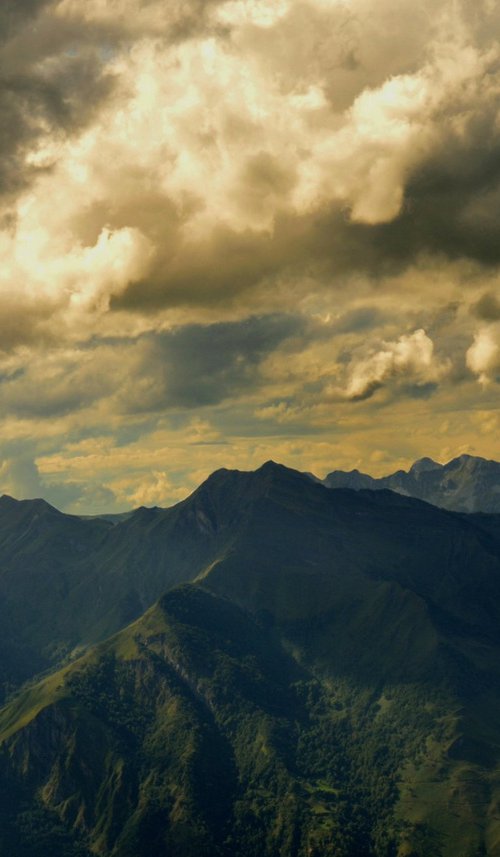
{"x":200,"y":365}
{"x":446,"y":213}
{"x":453,"y":201}
{"x":487,"y":308}
{"x":190,"y":367}
{"x":451,"y":206}
{"x":13,"y":13}
{"x":218,"y":269}
{"x":52,"y":80}
{"x":62,"y":99}
{"x":357,"y":320}
{"x":232,"y":263}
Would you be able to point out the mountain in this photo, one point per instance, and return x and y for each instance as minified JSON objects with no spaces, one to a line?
{"x":195,"y":731}
{"x":68,"y":582}
{"x":465,"y":484}
{"x":279,"y":669}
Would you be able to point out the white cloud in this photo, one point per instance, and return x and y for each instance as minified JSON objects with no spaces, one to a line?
{"x":260,"y":13}
{"x":410,"y":359}
{"x":483,"y":356}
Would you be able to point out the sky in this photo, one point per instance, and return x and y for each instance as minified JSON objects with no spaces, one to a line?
{"x":235,"y":230}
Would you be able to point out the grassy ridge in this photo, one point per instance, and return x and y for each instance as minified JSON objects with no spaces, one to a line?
{"x":194,"y":732}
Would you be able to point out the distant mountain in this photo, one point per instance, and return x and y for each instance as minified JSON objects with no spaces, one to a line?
{"x":465,"y":484}
{"x":298,"y":672}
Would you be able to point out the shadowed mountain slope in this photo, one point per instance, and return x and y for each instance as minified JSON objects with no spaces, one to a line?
{"x":325,"y":681}
{"x":272,"y":540}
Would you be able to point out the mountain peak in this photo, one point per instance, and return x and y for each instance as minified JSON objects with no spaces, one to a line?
{"x":269,"y":468}
{"x":273,"y":467}
{"x":275,"y":472}
{"x":467,"y":483}
{"x":424,"y":465}
{"x":466,"y":460}
{"x":35,"y":505}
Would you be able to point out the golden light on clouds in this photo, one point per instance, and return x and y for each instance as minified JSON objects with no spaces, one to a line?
{"x":239,"y":230}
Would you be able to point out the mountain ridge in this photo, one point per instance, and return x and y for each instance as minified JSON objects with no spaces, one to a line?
{"x":270,"y":668}
{"x":464,"y":484}
{"x":63,"y":560}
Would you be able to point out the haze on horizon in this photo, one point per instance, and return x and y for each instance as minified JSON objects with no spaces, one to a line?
{"x":236,"y":230}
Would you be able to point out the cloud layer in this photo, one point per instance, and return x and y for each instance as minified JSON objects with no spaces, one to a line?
{"x":276,"y":220}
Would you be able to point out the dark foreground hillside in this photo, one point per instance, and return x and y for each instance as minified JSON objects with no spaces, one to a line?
{"x":322,"y":677}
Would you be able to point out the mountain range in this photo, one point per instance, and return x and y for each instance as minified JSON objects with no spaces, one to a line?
{"x":270,"y":668}
{"x":466,"y":484}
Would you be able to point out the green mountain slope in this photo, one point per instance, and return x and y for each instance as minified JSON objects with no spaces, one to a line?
{"x":194,"y":732}
{"x":67,"y":582}
{"x":326,"y":681}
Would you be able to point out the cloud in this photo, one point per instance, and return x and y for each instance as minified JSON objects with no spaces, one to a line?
{"x":58,"y":383}
{"x":135,"y":19}
{"x":13,"y":13}
{"x":51,"y":86}
{"x":487,"y":308}
{"x":230,"y":211}
{"x":483,"y":356}
{"x":410,"y":359}
{"x":199,"y":365}
{"x":174,"y":143}
{"x":358,"y":319}
{"x":20,"y":477}
{"x":156,"y":490}
{"x":192,"y":366}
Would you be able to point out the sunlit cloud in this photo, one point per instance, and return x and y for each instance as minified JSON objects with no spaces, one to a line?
{"x":411,"y":359}
{"x":483,"y":356}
